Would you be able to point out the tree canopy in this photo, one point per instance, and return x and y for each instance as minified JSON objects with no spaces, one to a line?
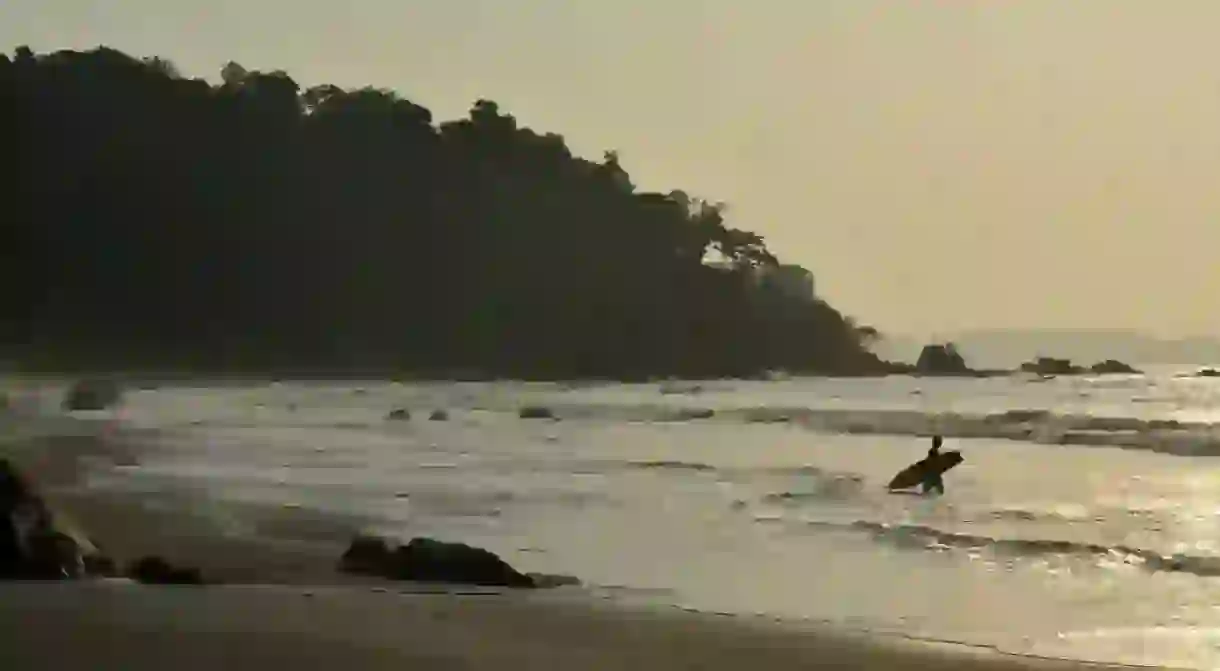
{"x":154,"y":220}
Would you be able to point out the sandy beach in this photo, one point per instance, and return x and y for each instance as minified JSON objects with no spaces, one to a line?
{"x":131,"y":627}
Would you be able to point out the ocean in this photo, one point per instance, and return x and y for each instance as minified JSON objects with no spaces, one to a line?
{"x":1084,"y":523}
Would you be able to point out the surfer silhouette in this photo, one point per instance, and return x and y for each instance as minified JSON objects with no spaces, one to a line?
{"x":928,"y":472}
{"x":932,"y":479}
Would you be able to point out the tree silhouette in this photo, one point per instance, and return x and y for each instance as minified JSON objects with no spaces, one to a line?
{"x":261,"y":225}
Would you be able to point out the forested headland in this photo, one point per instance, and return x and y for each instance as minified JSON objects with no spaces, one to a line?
{"x":156,"y":221}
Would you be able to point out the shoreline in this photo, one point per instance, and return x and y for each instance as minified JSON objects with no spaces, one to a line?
{"x":286,"y":601}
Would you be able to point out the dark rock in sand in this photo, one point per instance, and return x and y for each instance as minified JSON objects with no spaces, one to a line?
{"x":32,"y":545}
{"x":439,"y":416}
{"x":157,"y":571}
{"x":1208,"y":372}
{"x":536,"y":412}
{"x":400,"y":414}
{"x":428,"y":560}
{"x":92,"y":395}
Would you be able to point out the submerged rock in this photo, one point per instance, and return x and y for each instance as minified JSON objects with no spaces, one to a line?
{"x":696,"y":413}
{"x":439,"y":416}
{"x":399,"y":414}
{"x":1046,"y":365}
{"x":95,"y":394}
{"x":536,"y":412}
{"x":428,"y":560}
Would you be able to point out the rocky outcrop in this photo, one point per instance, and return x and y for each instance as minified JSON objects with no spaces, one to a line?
{"x":367,"y":555}
{"x":941,"y":359}
{"x":95,"y":394}
{"x":32,"y":543}
{"x":1045,"y":365}
{"x":428,"y":560}
{"x":1113,"y":367}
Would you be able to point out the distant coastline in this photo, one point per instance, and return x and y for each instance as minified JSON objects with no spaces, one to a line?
{"x":1011,"y":348}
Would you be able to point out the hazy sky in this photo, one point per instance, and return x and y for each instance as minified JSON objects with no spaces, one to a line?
{"x":938,"y":165}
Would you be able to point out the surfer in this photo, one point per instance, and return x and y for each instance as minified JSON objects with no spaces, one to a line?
{"x":933,"y":480}
{"x":928,"y":472}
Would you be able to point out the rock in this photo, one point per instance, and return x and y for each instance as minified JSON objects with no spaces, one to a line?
{"x":1208,"y":372}
{"x":1045,"y":365}
{"x":52,"y":556}
{"x":428,"y":560}
{"x":154,"y":570}
{"x":439,"y":416}
{"x":32,"y":544}
{"x":536,"y":412}
{"x":367,"y":555}
{"x":100,"y":565}
{"x":941,"y":359}
{"x":546,"y":580}
{"x":92,"y":395}
{"x":1113,"y":367}
{"x":401,"y":414}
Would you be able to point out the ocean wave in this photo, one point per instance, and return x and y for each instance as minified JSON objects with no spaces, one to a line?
{"x":925,"y":537}
{"x":1169,"y":436}
{"x":672,"y":465}
{"x":688,"y":403}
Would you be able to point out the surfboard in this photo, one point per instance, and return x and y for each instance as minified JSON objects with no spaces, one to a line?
{"x":917,"y":472}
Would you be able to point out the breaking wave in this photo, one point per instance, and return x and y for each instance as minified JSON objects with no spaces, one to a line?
{"x":930,"y":538}
{"x":1169,"y":436}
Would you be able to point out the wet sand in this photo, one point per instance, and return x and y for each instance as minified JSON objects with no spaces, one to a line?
{"x":138,"y":628}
